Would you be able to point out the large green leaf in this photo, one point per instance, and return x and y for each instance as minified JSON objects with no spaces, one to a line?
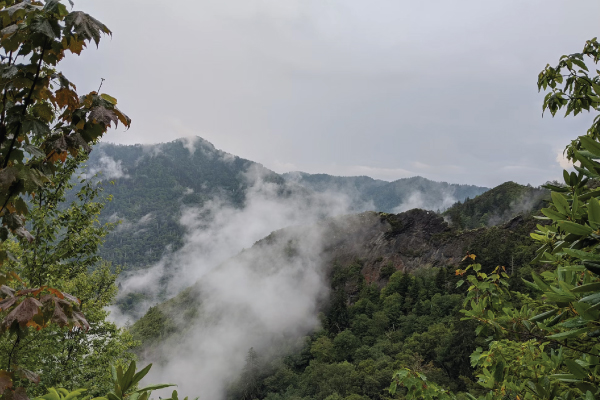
{"x":575,"y":228}
{"x":540,"y":282}
{"x":140,"y":374}
{"x":590,"y":287}
{"x":582,"y":255}
{"x":586,"y":162}
{"x":590,"y":144}
{"x":594,"y":212}
{"x":554,"y":215}
{"x":591,"y":299}
{"x":155,"y":387}
{"x":576,"y":369}
{"x":560,"y":202}
{"x":568,"y":334}
{"x":592,"y":267}
{"x":544,"y":315}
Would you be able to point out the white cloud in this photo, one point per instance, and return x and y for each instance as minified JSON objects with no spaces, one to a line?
{"x":563,"y":161}
{"x":109,"y":168}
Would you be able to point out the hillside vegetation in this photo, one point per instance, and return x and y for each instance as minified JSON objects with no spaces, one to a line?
{"x":497,"y":205}
{"x":392,"y":303}
{"x":154,"y":183}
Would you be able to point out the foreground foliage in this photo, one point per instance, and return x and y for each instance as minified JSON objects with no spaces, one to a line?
{"x":544,"y":346}
{"x":64,"y":254}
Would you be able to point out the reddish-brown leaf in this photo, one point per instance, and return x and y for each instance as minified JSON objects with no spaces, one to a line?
{"x":79,"y":320}
{"x":5,"y":381}
{"x":7,"y":291}
{"x":17,"y":394}
{"x":66,"y":97}
{"x":7,"y":303}
{"x":59,"y":317}
{"x":104,"y":115}
{"x":71,"y":298}
{"x":34,"y":291}
{"x":125,"y":120}
{"x":23,"y":313}
{"x":56,"y":292}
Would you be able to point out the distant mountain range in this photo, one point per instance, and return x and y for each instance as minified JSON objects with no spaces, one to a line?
{"x":397,"y":196}
{"x":154,"y":184}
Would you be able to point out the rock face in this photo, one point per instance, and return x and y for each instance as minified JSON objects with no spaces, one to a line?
{"x":406,"y":241}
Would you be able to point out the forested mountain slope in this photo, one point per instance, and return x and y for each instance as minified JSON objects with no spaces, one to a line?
{"x":497,"y":205}
{"x":153,"y":184}
{"x":384,"y":286}
{"x":397,"y":196}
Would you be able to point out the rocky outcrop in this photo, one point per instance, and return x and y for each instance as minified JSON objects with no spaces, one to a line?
{"x":407,"y":241}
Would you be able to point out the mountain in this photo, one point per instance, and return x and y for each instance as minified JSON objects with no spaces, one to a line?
{"x":378,"y":282}
{"x":497,"y":205}
{"x":397,"y":196}
{"x":155,"y":185}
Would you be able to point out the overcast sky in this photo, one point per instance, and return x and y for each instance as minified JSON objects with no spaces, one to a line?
{"x":386,"y":88}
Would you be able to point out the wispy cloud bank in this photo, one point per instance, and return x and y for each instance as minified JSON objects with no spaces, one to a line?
{"x":109,"y":168}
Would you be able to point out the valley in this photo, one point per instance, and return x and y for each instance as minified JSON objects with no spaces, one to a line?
{"x":301,"y":277}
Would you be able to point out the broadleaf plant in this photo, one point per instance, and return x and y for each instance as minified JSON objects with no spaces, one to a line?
{"x":545,"y":345}
{"x":43,"y":123}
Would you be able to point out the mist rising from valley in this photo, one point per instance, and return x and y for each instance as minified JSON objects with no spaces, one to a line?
{"x":257,"y":298}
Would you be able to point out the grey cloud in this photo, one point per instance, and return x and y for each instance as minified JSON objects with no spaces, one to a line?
{"x":341,"y":84}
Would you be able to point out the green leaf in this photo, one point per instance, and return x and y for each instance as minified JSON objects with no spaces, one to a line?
{"x":33,"y":150}
{"x":560,"y":297}
{"x":591,"y":299}
{"x":544,"y":315}
{"x":128,"y":377}
{"x":594,"y":212}
{"x":590,"y":144}
{"x":586,"y":162}
{"x":499,"y":372}
{"x":575,"y":369}
{"x":589,"y":195}
{"x":582,"y":255}
{"x":568,"y":334}
{"x":567,"y":177}
{"x":41,"y":25}
{"x":155,"y":387}
{"x":51,"y":395}
{"x":109,"y":98}
{"x":531,"y":285}
{"x":554,"y":215}
{"x":592,"y":267}
{"x":74,"y":394}
{"x":36,"y":127}
{"x":540,"y":282}
{"x":138,"y":376}
{"x":85,"y":26}
{"x":590,"y":287}
{"x":577,"y":229}
{"x":560,"y":202}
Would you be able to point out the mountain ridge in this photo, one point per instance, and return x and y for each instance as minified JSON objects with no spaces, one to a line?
{"x":154,"y":183}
